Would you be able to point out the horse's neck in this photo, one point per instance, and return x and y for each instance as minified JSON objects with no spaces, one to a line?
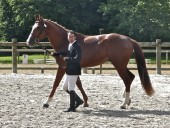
{"x":57,"y":36}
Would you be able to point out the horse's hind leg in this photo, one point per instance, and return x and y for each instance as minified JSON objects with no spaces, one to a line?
{"x":132,"y":76}
{"x":127,"y":78}
{"x":79,"y":85}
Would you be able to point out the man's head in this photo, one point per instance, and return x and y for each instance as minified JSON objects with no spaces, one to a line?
{"x":71,"y":36}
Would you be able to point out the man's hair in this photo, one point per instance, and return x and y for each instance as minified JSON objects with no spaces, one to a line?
{"x":71,"y":32}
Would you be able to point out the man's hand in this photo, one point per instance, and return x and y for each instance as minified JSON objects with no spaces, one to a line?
{"x":65,"y":58}
{"x":56,"y":54}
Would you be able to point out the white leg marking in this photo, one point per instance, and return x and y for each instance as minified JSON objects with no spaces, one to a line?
{"x":49,"y":100}
{"x":127,"y":100}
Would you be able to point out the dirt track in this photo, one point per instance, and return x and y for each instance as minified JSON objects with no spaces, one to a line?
{"x":22,"y":97}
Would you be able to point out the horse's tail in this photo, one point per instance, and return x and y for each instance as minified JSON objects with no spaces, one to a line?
{"x":141,"y":65}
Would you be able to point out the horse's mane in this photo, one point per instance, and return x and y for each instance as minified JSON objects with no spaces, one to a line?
{"x":55,"y":23}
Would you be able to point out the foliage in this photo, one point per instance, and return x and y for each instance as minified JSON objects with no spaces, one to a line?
{"x":81,"y":17}
{"x":144,"y":20}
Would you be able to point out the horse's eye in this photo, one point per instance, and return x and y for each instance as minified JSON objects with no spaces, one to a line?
{"x":38,"y":28}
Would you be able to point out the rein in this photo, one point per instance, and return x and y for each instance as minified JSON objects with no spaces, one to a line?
{"x":38,"y":43}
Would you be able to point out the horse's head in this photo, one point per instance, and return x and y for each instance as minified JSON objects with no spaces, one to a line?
{"x":38,"y":31}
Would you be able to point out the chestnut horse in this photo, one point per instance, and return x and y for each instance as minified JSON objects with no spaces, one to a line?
{"x":95,"y":50}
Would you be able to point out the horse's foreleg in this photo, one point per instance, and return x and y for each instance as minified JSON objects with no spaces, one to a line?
{"x":79,"y":85}
{"x":59,"y":76}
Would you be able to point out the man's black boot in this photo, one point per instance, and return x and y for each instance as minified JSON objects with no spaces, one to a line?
{"x":78,"y":100}
{"x":72,"y":102}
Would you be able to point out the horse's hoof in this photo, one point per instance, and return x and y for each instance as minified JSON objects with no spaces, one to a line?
{"x":45,"y":105}
{"x":122,"y":107}
{"x":129,"y":102}
{"x":86,"y":105}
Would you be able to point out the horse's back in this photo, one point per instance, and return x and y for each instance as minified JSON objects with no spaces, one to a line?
{"x":110,"y":41}
{"x":99,"y":48}
{"x":107,"y":38}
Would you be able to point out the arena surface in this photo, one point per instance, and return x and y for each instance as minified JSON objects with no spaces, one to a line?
{"x":22,"y":98}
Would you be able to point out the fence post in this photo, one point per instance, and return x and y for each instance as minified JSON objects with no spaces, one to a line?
{"x":100,"y":31}
{"x":84,"y":70}
{"x":45,"y":54}
{"x":100,"y":68}
{"x":158,"y":56}
{"x":166,"y":57}
{"x":14,"y":55}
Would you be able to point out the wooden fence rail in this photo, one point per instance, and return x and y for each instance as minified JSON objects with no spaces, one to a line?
{"x":156,"y":48}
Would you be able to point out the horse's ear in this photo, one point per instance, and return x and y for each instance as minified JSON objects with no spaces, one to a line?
{"x":40,"y":18}
{"x":36,"y":17}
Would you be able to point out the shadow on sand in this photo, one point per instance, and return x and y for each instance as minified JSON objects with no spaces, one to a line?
{"x":126,"y":113}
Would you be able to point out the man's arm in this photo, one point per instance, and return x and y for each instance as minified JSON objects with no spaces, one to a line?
{"x":77,"y":57}
{"x":61,"y":53}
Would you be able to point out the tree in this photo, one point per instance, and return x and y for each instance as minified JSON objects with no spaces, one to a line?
{"x":139,"y":18}
{"x":6,"y":19}
{"x":80,"y":16}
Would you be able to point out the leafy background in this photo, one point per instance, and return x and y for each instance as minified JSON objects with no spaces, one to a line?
{"x":143,"y":20}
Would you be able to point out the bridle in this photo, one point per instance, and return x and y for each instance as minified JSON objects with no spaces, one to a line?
{"x":37,"y":40}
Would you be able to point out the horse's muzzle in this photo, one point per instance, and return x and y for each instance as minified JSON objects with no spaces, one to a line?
{"x":30,"y":42}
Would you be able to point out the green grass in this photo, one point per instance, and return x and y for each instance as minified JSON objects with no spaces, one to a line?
{"x":163,"y":60}
{"x":8,"y":59}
